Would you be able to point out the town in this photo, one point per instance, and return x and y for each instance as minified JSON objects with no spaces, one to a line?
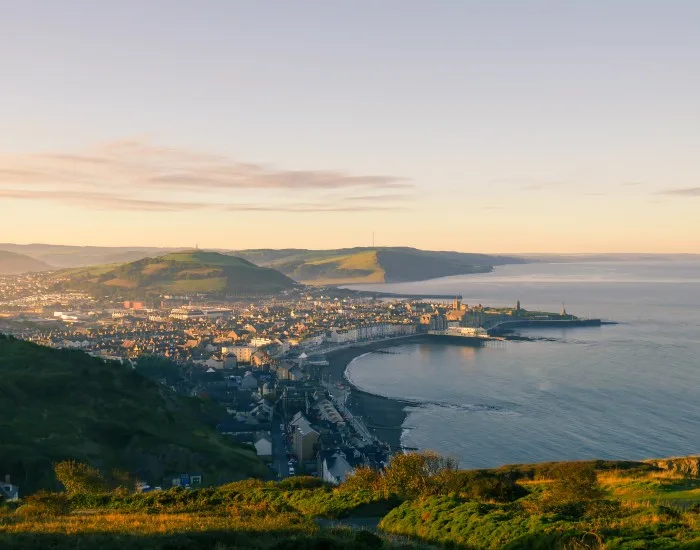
{"x":262,"y":359}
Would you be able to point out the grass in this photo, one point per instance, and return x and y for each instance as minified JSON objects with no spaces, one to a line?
{"x":632,"y":510}
{"x":210,"y":284}
{"x":246,"y":514}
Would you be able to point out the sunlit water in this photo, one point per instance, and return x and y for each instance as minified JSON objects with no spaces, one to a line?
{"x":630,"y":390}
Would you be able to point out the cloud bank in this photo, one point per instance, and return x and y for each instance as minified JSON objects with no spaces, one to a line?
{"x":138,"y":175}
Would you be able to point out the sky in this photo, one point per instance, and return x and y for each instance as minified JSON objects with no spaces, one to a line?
{"x":501,"y":126}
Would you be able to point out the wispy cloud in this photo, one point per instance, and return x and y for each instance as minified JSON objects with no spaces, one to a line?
{"x":682,"y":192}
{"x":102,"y":201}
{"x":138,"y":175}
{"x":541,"y":186}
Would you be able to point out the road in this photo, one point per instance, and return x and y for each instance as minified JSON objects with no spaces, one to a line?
{"x":279,"y":456}
{"x":340,"y":398}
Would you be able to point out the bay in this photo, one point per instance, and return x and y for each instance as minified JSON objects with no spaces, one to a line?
{"x":624,"y":391}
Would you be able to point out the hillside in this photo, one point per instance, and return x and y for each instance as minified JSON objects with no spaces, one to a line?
{"x":12,"y":263}
{"x":64,"y":256}
{"x":61,"y":404}
{"x":419,"y":502}
{"x":194,"y":271}
{"x":372,"y":265}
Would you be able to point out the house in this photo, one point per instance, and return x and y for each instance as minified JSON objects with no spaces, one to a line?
{"x":8,"y":491}
{"x":335,"y":468}
{"x":260,"y":358}
{"x":249,"y":382}
{"x":263,"y":446}
{"x":304,"y":437}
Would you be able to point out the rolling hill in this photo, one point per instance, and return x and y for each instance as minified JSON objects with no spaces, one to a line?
{"x":64,"y":256}
{"x":372,"y":265}
{"x":61,"y":404}
{"x":12,"y":263}
{"x":194,"y":271}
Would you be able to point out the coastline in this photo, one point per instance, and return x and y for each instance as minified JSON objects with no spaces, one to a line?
{"x":383,"y":416}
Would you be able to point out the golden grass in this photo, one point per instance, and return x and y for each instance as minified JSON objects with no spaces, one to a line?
{"x":152,"y":269}
{"x":121,"y":283}
{"x":151,"y":524}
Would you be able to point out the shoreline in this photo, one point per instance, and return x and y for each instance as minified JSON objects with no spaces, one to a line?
{"x":383,"y":416}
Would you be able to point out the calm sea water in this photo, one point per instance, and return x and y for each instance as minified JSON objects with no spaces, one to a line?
{"x":630,"y":390}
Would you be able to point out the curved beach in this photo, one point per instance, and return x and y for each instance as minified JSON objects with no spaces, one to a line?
{"x":382,"y":415}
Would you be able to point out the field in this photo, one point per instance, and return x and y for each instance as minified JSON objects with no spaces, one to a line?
{"x":418,"y":502}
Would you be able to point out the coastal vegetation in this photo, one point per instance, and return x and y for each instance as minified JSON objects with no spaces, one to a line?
{"x":421,"y":500}
{"x":64,"y":404}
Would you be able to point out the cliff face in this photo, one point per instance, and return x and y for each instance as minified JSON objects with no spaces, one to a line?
{"x":688,"y":466}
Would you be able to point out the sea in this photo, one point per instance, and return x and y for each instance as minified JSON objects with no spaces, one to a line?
{"x":629,"y":390}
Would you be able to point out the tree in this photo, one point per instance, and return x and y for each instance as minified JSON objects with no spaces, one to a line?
{"x":77,"y":477}
{"x":363,"y":478}
{"x":414,"y":474}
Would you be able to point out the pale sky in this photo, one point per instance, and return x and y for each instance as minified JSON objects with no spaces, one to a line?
{"x":484,"y":126}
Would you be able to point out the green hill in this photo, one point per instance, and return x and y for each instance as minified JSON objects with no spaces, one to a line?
{"x":372,"y":265}
{"x":61,"y":404}
{"x":12,"y":263}
{"x":194,"y":271}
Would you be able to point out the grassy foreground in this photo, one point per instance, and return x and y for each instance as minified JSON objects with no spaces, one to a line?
{"x":418,"y":502}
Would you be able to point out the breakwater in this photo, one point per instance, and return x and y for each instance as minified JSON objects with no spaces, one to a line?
{"x":507,"y":326}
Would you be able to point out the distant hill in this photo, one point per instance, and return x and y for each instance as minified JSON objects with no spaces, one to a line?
{"x":12,"y":263}
{"x":372,"y":265}
{"x":61,"y":404}
{"x":61,"y":256}
{"x":194,"y":271}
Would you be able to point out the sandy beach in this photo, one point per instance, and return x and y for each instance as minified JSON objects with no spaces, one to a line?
{"x":382,"y":415}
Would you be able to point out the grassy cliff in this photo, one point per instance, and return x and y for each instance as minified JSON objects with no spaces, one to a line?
{"x":60,"y":404}
{"x":194,"y":271}
{"x":372,"y":265}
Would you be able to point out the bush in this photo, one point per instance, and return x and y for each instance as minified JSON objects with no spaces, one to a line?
{"x":414,"y":474}
{"x":77,"y":477}
{"x":481,"y":485}
{"x":44,"y":503}
{"x":301,"y":482}
{"x":363,"y":478}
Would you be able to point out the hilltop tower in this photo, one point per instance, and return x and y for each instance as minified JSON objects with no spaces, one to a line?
{"x":563,"y":309}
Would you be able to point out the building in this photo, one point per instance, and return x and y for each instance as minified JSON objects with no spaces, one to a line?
{"x":243,"y":354}
{"x":190,"y":313}
{"x":263,"y":446}
{"x":328,"y":412}
{"x":438,"y":322}
{"x":335,"y":468}
{"x":304,"y":438}
{"x":8,"y":491}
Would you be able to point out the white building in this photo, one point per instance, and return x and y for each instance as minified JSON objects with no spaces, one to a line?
{"x":263,"y":446}
{"x":241,"y":353}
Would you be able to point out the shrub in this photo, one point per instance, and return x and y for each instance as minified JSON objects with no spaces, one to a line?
{"x":77,"y":477}
{"x":44,"y":503}
{"x":481,"y":485}
{"x":363,"y":478}
{"x":301,"y":482}
{"x":414,"y":474}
